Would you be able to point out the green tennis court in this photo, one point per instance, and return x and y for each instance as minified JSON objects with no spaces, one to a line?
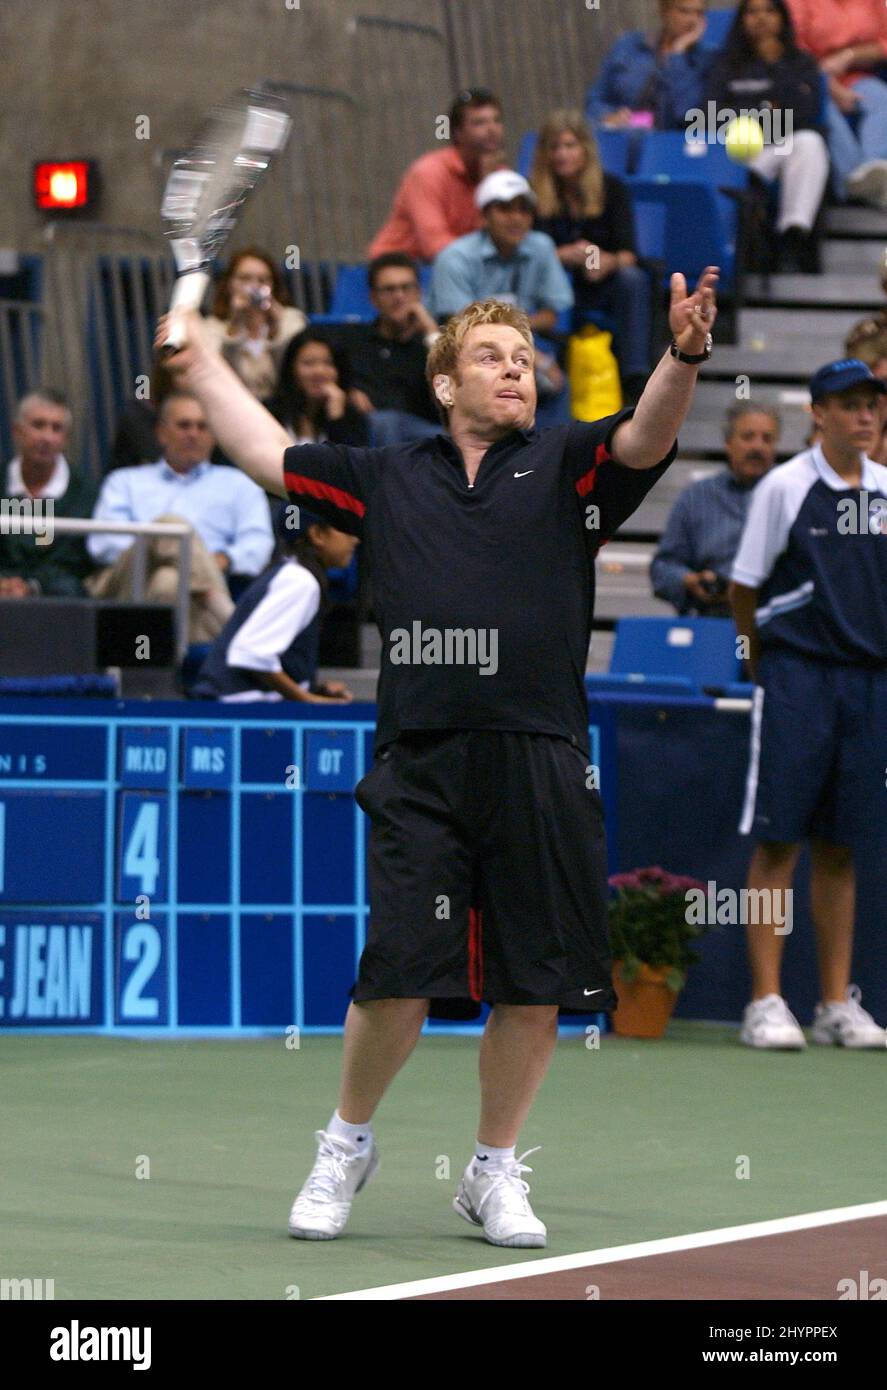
{"x":640,"y":1141}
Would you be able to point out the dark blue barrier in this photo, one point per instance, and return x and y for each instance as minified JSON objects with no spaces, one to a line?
{"x":682,"y":770}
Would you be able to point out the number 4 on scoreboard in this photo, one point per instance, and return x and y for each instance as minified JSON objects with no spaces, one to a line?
{"x":142,"y":847}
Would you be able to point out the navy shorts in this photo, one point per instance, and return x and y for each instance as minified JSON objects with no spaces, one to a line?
{"x":818,"y":761}
{"x":487,"y":874}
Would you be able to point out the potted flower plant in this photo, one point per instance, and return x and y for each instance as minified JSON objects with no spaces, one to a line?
{"x":651,"y":941}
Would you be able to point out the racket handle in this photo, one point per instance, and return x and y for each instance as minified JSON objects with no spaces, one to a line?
{"x":187,"y":293}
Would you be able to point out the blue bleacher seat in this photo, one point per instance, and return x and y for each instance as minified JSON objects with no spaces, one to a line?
{"x":692,"y":652}
{"x":649,"y":226}
{"x":717,"y":27}
{"x":697,"y":231}
{"x":667,"y":154}
{"x":525,"y":153}
{"x":695,"y":218}
{"x":615,"y":148}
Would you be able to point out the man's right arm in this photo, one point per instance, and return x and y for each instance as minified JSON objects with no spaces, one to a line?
{"x":744,"y":602}
{"x":246,"y":432}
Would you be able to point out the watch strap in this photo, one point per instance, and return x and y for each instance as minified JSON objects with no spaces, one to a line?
{"x":692,"y":358}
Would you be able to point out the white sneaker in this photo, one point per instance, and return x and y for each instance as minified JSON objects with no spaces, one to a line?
{"x":496,"y":1198}
{"x":868,"y":183}
{"x":847,"y":1024}
{"x":340,"y":1170}
{"x":769,"y":1022}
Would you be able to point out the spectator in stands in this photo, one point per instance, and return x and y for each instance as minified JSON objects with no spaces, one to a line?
{"x":387,"y":357}
{"x":654,"y":79}
{"x":761,"y":67}
{"x":135,"y":440}
{"x":848,"y":38}
{"x":268,"y":649}
{"x":229,"y":514}
{"x":253,"y":320}
{"x":509,"y":262}
{"x":589,"y":216}
{"x":311,"y":400}
{"x":435,"y":201}
{"x":692,"y":565}
{"x":867,"y":340}
{"x":41,"y":474}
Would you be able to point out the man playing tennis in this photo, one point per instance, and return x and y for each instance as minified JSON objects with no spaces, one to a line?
{"x":487,"y":858}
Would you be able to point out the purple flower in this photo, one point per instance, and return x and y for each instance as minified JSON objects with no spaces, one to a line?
{"x":654,"y":878}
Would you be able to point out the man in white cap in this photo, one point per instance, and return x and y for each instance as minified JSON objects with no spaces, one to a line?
{"x":506,"y":260}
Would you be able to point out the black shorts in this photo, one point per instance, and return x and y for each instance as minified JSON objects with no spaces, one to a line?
{"x":487,"y":874}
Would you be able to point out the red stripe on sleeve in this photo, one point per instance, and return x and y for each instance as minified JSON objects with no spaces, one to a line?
{"x":295,"y":482}
{"x":585,"y":484}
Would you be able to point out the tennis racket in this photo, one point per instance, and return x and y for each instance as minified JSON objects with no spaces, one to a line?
{"x":208,"y":187}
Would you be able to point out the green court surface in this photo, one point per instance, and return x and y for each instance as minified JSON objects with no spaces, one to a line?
{"x":640,"y":1141}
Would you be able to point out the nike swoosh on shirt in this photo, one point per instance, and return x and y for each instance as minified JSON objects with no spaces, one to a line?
{"x":592,"y":991}
{"x":523,"y":475}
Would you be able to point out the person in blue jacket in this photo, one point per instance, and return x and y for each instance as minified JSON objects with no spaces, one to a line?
{"x":653,"y":79}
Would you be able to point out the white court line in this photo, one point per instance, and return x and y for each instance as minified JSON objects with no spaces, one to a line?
{"x":616,"y":1253}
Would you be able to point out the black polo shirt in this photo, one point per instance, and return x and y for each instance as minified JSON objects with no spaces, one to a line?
{"x":484,"y":595}
{"x":390,"y":372}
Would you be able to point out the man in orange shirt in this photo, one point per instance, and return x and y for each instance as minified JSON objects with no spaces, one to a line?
{"x":435,"y":201}
{"x":848,"y":38}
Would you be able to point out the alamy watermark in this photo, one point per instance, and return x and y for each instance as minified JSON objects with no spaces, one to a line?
{"x":711,"y":906}
{"x":449,"y":646}
{"x":711,"y":125}
{"x":28,"y":516}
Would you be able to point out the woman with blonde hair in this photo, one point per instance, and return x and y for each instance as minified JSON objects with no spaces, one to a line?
{"x":589,"y":217}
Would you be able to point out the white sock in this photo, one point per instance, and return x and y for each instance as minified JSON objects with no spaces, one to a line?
{"x":361,"y":1135}
{"x":486,"y":1156}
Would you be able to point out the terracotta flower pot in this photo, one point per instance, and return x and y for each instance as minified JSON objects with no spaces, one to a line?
{"x":645,"y":1003}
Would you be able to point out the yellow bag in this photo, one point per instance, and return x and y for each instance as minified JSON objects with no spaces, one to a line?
{"x":595,"y":389}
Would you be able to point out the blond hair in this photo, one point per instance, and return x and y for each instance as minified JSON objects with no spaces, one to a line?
{"x":444,"y":355}
{"x":547,"y":186}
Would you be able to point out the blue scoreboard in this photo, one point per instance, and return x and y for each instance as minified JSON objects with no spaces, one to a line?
{"x":164,"y":869}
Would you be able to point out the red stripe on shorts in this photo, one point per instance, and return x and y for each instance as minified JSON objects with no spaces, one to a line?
{"x":475,"y":954}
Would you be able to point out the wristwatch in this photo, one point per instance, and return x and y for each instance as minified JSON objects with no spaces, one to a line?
{"x":692,"y":358}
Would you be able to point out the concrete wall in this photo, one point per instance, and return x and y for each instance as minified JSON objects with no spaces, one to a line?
{"x":78,"y":73}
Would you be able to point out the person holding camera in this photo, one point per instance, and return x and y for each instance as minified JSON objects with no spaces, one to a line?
{"x":692,"y":565}
{"x":253,"y":320}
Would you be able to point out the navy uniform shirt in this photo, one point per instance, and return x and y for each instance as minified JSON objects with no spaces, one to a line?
{"x":484,"y":594}
{"x":275,"y":627}
{"x":816,"y":551}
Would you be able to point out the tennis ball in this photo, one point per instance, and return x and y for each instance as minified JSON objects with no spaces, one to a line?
{"x":743,"y":138}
